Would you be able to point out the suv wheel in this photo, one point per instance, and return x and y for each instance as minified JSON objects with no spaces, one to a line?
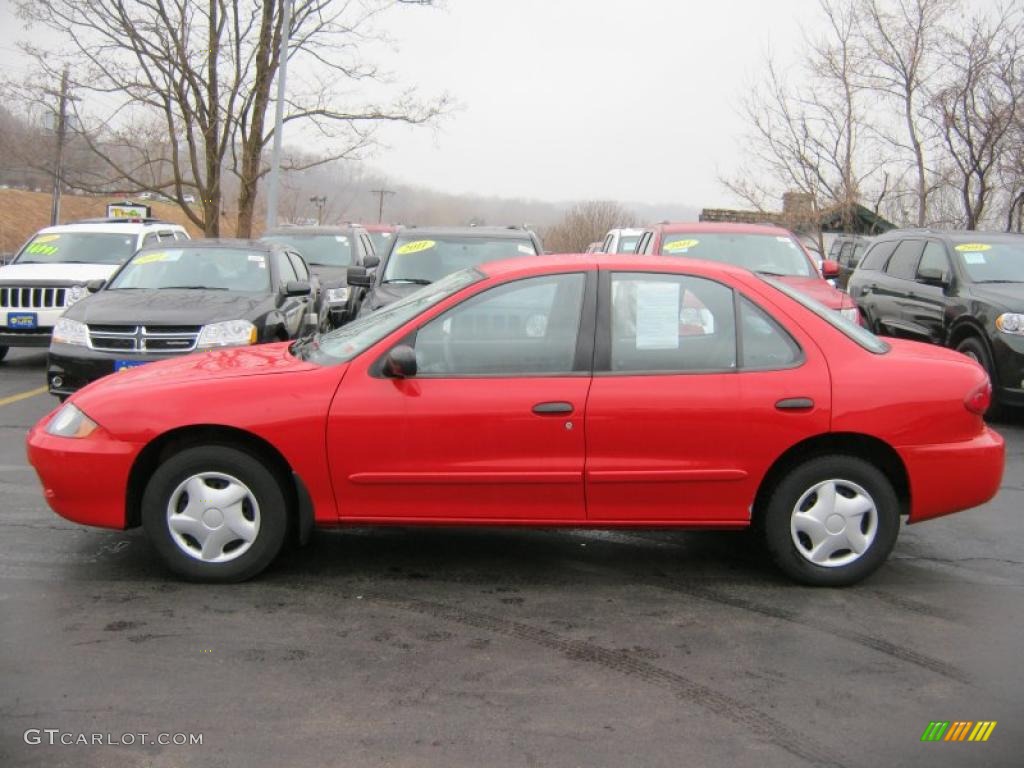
{"x":975,"y":349}
{"x":3,"y":352}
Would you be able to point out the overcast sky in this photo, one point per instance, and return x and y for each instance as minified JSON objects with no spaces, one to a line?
{"x":575,"y":99}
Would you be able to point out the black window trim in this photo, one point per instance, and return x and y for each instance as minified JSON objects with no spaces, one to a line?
{"x":603,"y":337}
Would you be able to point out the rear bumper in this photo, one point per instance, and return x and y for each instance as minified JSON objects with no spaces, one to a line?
{"x":84,"y":480}
{"x":951,"y":477}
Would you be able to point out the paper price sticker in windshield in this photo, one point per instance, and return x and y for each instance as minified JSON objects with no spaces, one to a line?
{"x":415,"y":247}
{"x":973,"y":247}
{"x":678,"y":246}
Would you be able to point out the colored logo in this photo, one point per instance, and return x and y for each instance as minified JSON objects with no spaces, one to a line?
{"x":958,"y":730}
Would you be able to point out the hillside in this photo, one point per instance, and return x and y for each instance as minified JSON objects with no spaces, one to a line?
{"x":22,"y":213}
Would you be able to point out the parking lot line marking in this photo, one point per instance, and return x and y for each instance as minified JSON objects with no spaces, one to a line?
{"x":22,"y":396}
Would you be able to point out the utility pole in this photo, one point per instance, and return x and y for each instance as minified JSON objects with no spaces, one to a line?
{"x":380,"y":207}
{"x":58,"y":165}
{"x":319,"y":202}
{"x":275,"y":154}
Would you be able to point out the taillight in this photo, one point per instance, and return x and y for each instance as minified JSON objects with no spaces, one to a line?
{"x":979,"y":398}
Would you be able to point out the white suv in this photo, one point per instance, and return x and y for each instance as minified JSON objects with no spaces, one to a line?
{"x":51,"y":270}
{"x":621,"y":240}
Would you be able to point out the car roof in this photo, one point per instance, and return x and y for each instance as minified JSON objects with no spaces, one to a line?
{"x":513,"y":233}
{"x":627,"y":230}
{"x":219,"y":242}
{"x":626,"y":262}
{"x":955,"y":235}
{"x":732,"y":227}
{"x":338,"y":229}
{"x":108,"y":226}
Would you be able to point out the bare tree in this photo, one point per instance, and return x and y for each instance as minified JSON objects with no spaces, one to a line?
{"x":586,"y":223}
{"x":902,"y":40}
{"x":977,"y":108}
{"x":202,"y":72}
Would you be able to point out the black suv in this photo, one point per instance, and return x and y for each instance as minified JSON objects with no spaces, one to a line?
{"x":848,"y":250}
{"x":419,"y":256}
{"x":329,"y":252}
{"x":964,"y":290}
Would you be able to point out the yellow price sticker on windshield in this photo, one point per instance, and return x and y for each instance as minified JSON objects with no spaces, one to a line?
{"x":149,"y":258}
{"x":679,"y":245}
{"x":415,"y":247}
{"x":973,"y":247}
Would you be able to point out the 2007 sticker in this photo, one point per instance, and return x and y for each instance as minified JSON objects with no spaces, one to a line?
{"x":415,"y":247}
{"x":680,"y":245}
{"x":973,"y":247}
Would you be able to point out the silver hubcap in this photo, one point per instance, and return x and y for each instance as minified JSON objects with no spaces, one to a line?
{"x":834,"y":523}
{"x":213,"y":517}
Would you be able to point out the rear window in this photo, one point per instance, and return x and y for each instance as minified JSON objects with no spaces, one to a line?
{"x":768,"y":254}
{"x":991,"y":260}
{"x":855,"y":332}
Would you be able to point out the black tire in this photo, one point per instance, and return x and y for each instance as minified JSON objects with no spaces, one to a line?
{"x":976,"y":349}
{"x":265,"y":487}
{"x":3,"y":352}
{"x":847,"y":471}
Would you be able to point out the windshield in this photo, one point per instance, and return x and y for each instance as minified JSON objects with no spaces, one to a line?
{"x":992,"y":261}
{"x":318,"y":250}
{"x":424,"y":259}
{"x":382,"y":243}
{"x":770,"y":254}
{"x":218,"y":269}
{"x":857,"y":333}
{"x":78,"y":247}
{"x":628,"y":244}
{"x":350,"y":340}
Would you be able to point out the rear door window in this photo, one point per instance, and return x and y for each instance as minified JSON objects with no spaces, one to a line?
{"x":903,"y":262}
{"x":878,"y":255}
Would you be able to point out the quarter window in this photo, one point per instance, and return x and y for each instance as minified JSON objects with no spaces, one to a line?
{"x":765,"y":343}
{"x":671,"y":323}
{"x":520,"y":328}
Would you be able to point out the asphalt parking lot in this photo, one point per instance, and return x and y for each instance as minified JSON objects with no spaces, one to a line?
{"x":470,"y":647}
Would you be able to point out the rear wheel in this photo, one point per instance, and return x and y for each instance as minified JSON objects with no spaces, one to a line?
{"x":215,"y":513}
{"x":831,"y":521}
{"x":3,"y":352}
{"x":975,"y":349}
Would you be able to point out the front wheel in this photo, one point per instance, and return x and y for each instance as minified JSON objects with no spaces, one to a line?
{"x":975,"y":349}
{"x":831,"y":521}
{"x":215,"y":514}
{"x":3,"y":352}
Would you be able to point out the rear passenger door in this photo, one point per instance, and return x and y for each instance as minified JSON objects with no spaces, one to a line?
{"x":696,"y":391}
{"x":893,"y":289}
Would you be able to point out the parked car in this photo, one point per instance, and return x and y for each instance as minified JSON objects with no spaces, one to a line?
{"x":179,"y":298}
{"x":51,"y":270}
{"x":594,"y":247}
{"x":419,"y":256}
{"x":762,"y":248}
{"x":847,"y":251}
{"x":621,"y":240}
{"x":964,"y":290}
{"x":329,"y":252}
{"x":547,"y":391}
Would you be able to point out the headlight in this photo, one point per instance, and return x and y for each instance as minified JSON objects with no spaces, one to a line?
{"x":851,"y":314}
{"x":73,"y":294}
{"x":70,"y":332}
{"x":337,"y":295}
{"x":1011,"y":323}
{"x":71,"y":422}
{"x":232,"y":333}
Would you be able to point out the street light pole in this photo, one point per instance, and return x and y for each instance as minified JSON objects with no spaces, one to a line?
{"x":320,"y":202}
{"x":275,"y":154}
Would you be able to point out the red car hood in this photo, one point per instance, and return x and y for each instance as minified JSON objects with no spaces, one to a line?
{"x":234,"y":362}
{"x":817,"y":289}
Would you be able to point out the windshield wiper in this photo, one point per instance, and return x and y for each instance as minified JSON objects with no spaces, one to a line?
{"x":191,"y":288}
{"x":413,"y":280}
{"x":999,"y":281}
{"x":773,"y":274}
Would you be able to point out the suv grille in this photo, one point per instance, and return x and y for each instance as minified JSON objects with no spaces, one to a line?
{"x":32,"y":298}
{"x":146,"y":338}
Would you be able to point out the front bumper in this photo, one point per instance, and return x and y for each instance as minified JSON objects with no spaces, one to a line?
{"x":37,"y":337}
{"x":951,"y":477}
{"x":84,"y":480}
{"x":76,"y":366}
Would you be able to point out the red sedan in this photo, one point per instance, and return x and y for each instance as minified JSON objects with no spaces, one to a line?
{"x":763,"y":248}
{"x":596,"y":391}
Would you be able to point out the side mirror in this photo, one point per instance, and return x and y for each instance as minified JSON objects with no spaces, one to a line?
{"x":371,"y":261}
{"x":400,"y":362}
{"x":933,"y":276}
{"x":95,"y":285}
{"x":297,"y":288}
{"x":359,"y":276}
{"x":829,"y":269}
